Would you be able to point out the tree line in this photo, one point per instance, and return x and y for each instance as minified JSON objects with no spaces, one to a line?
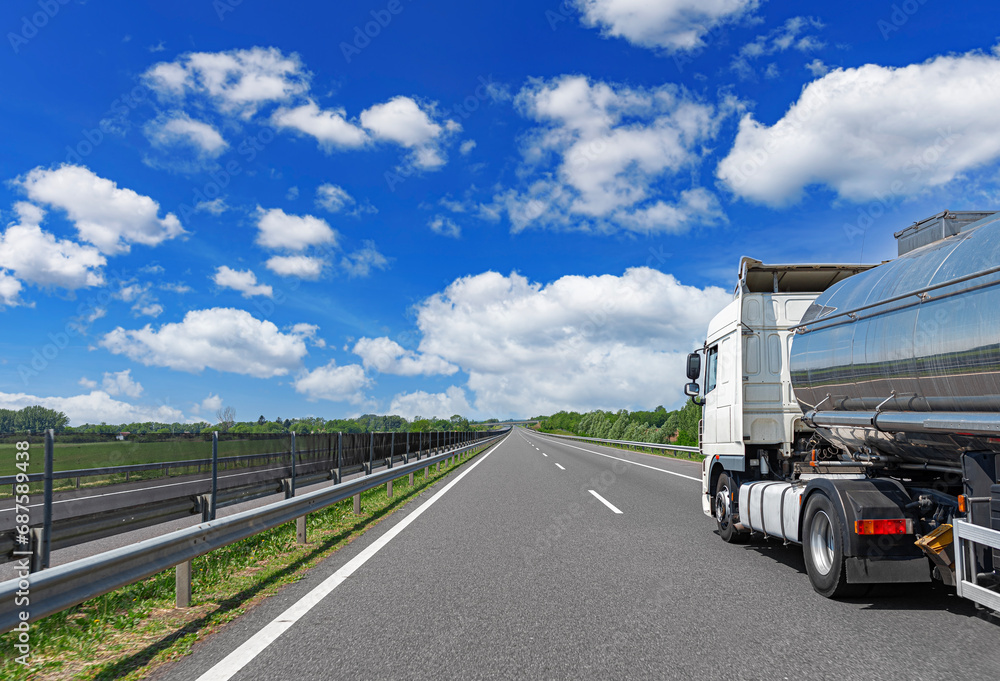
{"x":657,"y":427}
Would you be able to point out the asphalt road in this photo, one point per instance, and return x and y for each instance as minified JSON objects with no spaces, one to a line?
{"x":519,"y":570}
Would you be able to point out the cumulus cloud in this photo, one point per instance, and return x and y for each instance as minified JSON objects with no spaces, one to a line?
{"x":309,"y":332}
{"x":107,"y":216}
{"x":94,"y":407}
{"x":244,"y":281}
{"x":211,"y":404}
{"x":389,"y":357}
{"x":431,"y":405}
{"x":858,"y":132}
{"x":224,"y":339}
{"x":37,"y":257}
{"x":401,"y":120}
{"x":179,"y":129}
{"x":444,"y":226}
{"x":603,"y":155}
{"x":361,"y":262}
{"x":237,"y":81}
{"x":669,"y":24}
{"x":330,"y":127}
{"x":333,"y":198}
{"x":278,"y":230}
{"x":334,"y":383}
{"x":577,"y":343}
{"x":301,"y":266}
{"x":121,"y":383}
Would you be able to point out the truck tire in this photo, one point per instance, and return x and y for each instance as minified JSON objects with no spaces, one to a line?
{"x":724,"y":493}
{"x":823,"y":549}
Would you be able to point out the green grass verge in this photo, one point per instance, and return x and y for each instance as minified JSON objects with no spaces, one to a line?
{"x":131,"y":632}
{"x":684,"y":456}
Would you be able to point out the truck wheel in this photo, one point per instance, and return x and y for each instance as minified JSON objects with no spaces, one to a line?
{"x":823,"y":549}
{"x":724,"y":493}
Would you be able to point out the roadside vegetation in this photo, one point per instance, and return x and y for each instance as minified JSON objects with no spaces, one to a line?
{"x":133,"y":631}
{"x":658,"y":426}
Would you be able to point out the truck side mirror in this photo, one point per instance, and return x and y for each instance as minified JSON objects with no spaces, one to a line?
{"x":693,"y":367}
{"x":692,"y":390}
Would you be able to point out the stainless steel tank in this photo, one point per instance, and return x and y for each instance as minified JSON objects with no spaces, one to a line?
{"x":905,"y":358}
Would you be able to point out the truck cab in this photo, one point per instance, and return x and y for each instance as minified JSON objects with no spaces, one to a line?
{"x":750,"y":416}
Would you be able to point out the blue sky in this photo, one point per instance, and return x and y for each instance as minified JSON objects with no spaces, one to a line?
{"x":494,"y":209}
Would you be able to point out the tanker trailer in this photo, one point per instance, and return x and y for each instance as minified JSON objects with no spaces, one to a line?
{"x":855,"y":410}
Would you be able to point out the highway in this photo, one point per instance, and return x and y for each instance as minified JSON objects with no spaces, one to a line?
{"x":552,"y":559}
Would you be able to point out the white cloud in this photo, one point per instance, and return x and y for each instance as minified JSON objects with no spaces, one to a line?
{"x":94,"y":407}
{"x":430,"y":405}
{"x":224,"y":339}
{"x":602,"y":155}
{"x":577,"y":343}
{"x":444,"y":226}
{"x":817,"y":68}
{"x":334,"y":383}
{"x":873,"y":131}
{"x":670,"y":24}
{"x":37,"y":257}
{"x":292,"y":193}
{"x":244,"y":281}
{"x":216,"y":206}
{"x":361,"y":262}
{"x":781,"y":39}
{"x":148,"y":310}
{"x":108,"y":217}
{"x":389,"y":357}
{"x":309,"y":332}
{"x":87,"y":383}
{"x":330,"y":127}
{"x":10,"y":289}
{"x":333,"y":198}
{"x":180,"y":129}
{"x":278,"y":230}
{"x":121,"y":383}
{"x":238,"y":81}
{"x":301,"y":266}
{"x":211,"y":404}
{"x":467,"y":146}
{"x":401,"y":120}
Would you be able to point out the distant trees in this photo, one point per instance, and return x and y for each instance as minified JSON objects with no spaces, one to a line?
{"x":36,"y":419}
{"x":657,"y":426}
{"x":226,"y":416}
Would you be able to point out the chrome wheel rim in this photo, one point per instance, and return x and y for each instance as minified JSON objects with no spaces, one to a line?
{"x":821,"y":542}
{"x":722,"y":511}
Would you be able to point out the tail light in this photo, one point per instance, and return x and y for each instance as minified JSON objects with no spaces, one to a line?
{"x":894,"y":526}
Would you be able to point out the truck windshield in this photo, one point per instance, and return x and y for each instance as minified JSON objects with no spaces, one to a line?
{"x":713,"y":366}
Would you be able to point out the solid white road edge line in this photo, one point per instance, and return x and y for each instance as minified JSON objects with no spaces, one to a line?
{"x":236,"y":660}
{"x":560,"y":467}
{"x":679,"y":475}
{"x":544,"y":454}
{"x":605,"y":501}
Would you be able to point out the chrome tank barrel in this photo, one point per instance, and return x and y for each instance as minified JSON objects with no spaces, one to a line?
{"x":883,"y":358}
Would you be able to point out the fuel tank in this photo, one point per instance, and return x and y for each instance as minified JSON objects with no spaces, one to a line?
{"x":904,"y":358}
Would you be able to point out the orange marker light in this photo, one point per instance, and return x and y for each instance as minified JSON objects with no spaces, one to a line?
{"x":895,"y":526}
{"x":961,"y":503}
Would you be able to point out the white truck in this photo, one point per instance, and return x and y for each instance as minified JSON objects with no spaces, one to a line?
{"x":855,"y":410}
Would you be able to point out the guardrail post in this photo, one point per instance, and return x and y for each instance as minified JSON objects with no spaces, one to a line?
{"x":340,"y":449}
{"x":357,"y":504}
{"x":293,"y":463}
{"x":215,"y":474}
{"x":300,"y":529}
{"x":406,"y":456}
{"x":388,"y":490}
{"x":182,"y":583}
{"x":411,"y":479}
{"x":392,"y":448}
{"x":371,"y":451}
{"x":47,"y":512}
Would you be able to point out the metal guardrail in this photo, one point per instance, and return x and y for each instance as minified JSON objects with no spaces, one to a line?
{"x":967,"y":536}
{"x":193,"y":497}
{"x":630,"y":443}
{"x":55,"y":589}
